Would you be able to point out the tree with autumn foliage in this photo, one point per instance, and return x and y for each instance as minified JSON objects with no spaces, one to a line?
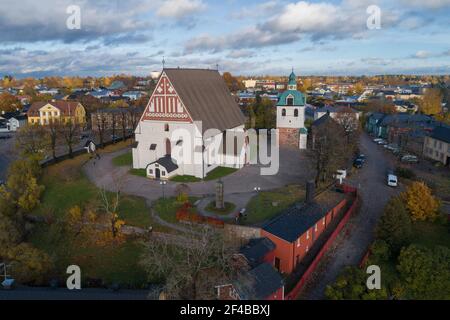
{"x":420,"y":202}
{"x":28,"y":265}
{"x":32,"y":141}
{"x":110,"y":207}
{"x":9,"y":103}
{"x":431,"y":102}
{"x":232,"y":83}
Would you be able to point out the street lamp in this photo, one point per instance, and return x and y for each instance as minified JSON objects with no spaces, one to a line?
{"x":163,"y":183}
{"x":257,"y":189}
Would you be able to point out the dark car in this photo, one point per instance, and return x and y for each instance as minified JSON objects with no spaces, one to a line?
{"x":358,"y":163}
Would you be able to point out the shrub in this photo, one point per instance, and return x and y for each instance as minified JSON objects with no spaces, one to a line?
{"x":405,"y":173}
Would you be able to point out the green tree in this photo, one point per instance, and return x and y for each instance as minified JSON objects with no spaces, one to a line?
{"x":424,"y":272}
{"x":351,"y":285}
{"x":395,"y":224}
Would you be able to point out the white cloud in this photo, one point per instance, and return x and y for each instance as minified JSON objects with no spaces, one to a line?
{"x":179,"y":8}
{"x":422,"y":54}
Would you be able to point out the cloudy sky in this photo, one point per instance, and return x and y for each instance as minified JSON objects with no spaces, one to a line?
{"x":244,"y":37}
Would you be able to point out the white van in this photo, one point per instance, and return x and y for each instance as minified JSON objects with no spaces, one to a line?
{"x":340,"y":175}
{"x":392,"y":180}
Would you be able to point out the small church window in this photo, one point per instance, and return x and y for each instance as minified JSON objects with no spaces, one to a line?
{"x":296,"y":113}
{"x":283,"y":112}
{"x":166,"y":127}
{"x":290,"y":101}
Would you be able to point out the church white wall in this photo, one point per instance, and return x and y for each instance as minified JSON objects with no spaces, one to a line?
{"x":290,"y":121}
{"x":187,"y":155}
{"x":153,"y":132}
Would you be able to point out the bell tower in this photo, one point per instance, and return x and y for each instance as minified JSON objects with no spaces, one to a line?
{"x":291,"y":115}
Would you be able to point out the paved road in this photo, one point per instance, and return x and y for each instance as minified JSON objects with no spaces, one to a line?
{"x":356,"y":237}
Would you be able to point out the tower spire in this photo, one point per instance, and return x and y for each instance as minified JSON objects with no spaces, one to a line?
{"x":163,"y":62}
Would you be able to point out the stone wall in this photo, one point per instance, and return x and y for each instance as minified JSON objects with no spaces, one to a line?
{"x":289,"y":136}
{"x":241,"y":233}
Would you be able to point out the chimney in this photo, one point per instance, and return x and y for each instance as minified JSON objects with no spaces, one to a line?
{"x":310,"y":191}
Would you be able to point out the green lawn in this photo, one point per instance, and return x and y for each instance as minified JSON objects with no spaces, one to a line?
{"x":66,"y":187}
{"x":111,"y":264}
{"x":219,"y":172}
{"x":262,"y":208}
{"x":185,"y":179}
{"x":125,"y":159}
{"x":139,"y":172}
{"x":229,"y":207}
{"x":167,"y":208}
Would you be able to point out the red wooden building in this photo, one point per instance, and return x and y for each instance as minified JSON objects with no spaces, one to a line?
{"x":295,"y":231}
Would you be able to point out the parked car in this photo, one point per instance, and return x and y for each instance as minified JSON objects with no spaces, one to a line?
{"x":377,"y":139}
{"x":410,"y":158}
{"x":362,"y":157}
{"x":392,"y":180}
{"x":358,"y":163}
{"x":381,"y":142}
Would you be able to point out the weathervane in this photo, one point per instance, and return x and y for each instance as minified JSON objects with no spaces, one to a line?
{"x":163,"y":62}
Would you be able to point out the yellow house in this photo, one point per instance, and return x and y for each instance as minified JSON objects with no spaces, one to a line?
{"x":61,"y":111}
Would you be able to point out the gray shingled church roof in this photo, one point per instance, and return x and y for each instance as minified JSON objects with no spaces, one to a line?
{"x":206,"y":97}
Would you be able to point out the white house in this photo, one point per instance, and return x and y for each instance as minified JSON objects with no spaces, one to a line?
{"x":11,"y":121}
{"x":291,"y":116}
{"x":191,"y":126}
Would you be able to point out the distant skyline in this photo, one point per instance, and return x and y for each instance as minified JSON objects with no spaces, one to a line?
{"x":245,"y":38}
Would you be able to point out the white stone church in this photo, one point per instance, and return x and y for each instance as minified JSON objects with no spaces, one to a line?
{"x":190,"y":126}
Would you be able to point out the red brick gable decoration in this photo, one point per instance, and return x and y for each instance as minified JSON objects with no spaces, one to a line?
{"x":165,"y":104}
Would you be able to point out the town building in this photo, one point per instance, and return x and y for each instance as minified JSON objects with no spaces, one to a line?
{"x":191,"y":126}
{"x":291,"y":116}
{"x":295,"y":231}
{"x":43,"y":113}
{"x":11,"y":121}
{"x":260,"y":283}
{"x":437,"y":145}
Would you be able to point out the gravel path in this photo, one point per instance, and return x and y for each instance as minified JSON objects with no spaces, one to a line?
{"x":356,"y":237}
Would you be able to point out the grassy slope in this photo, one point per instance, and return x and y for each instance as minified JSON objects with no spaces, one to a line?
{"x":66,"y":186}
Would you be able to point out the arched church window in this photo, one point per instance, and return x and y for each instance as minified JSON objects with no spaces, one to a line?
{"x":283,"y":112}
{"x":166,"y":127}
{"x":290,"y":101}
{"x":296,"y":113}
